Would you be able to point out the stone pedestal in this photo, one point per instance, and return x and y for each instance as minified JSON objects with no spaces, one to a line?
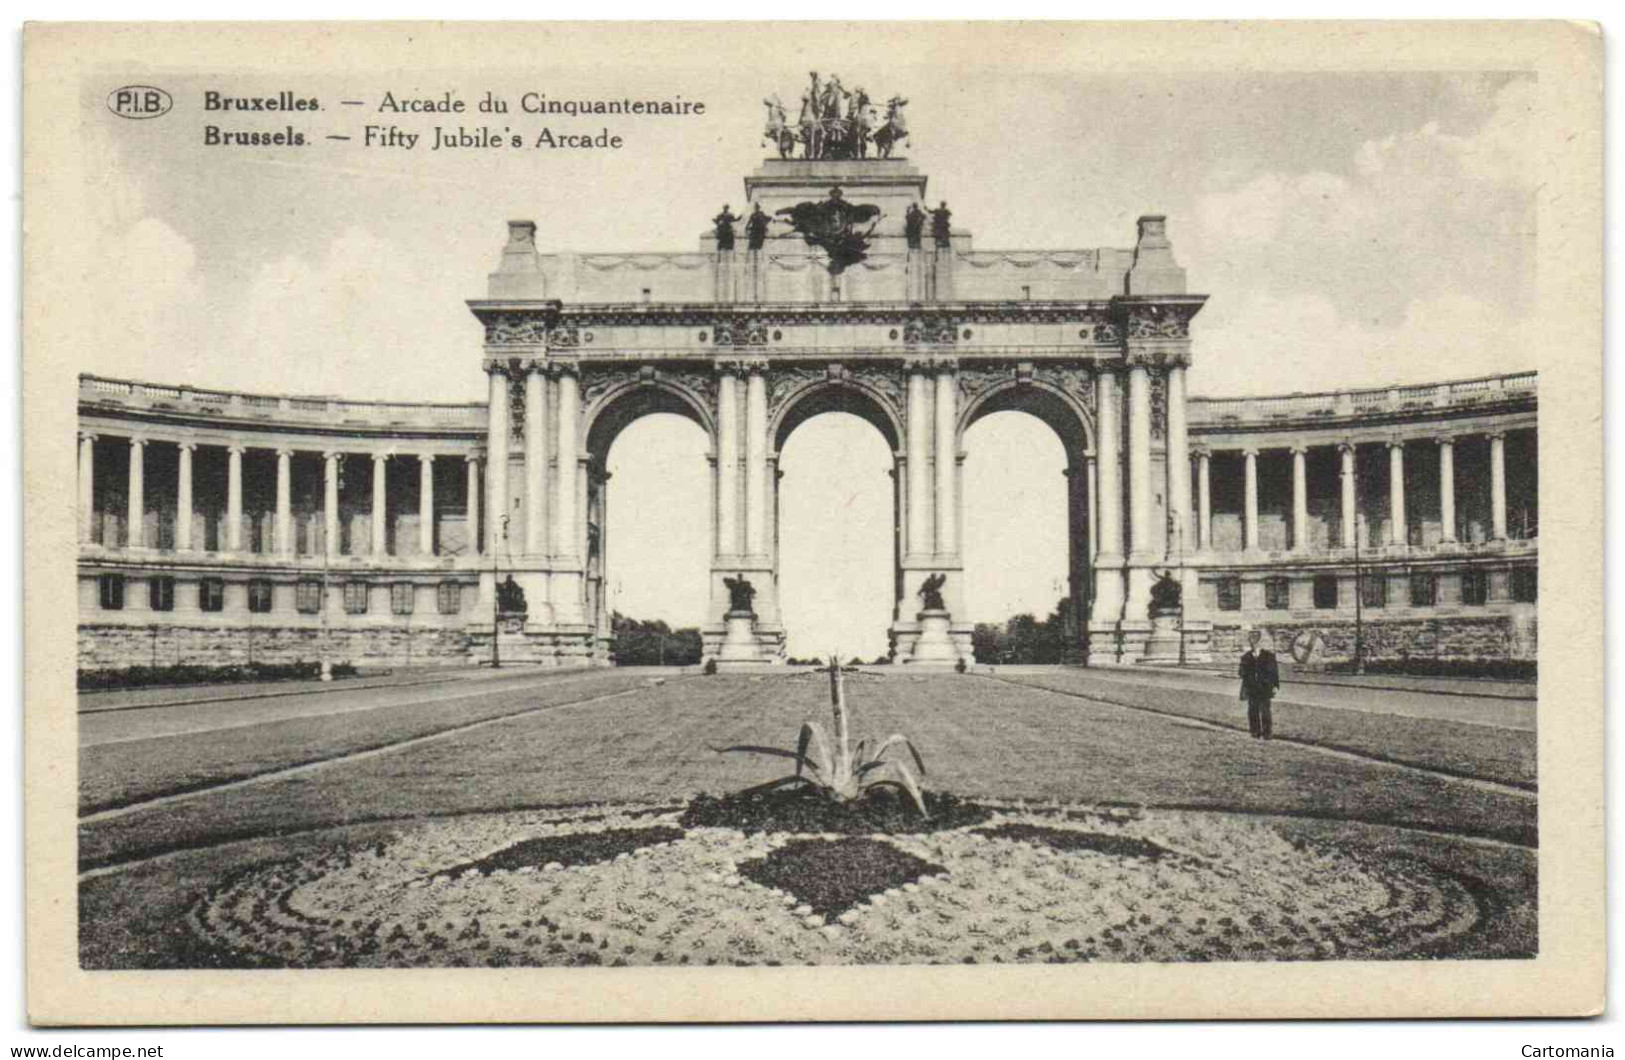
{"x":739,"y":645}
{"x":934,"y":645}
{"x":1162,"y":646}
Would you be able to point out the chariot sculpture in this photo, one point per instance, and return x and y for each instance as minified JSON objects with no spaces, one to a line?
{"x":835,"y":122}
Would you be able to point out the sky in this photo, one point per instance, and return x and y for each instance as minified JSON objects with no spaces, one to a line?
{"x":1350,"y":230}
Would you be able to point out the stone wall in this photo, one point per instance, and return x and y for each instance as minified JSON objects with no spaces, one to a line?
{"x":1458,"y":637}
{"x":106,"y":647}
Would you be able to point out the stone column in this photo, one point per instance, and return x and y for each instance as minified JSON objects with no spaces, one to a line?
{"x":426,"y":504}
{"x":1396,"y":492}
{"x":137,"y":514}
{"x":496,"y":469}
{"x":1179,"y":463}
{"x":330,"y":504}
{"x":1447,"y":487}
{"x":87,"y":487}
{"x":183,"y":498}
{"x":1250,"y":516}
{"x":756,"y":461}
{"x":234,"y":499}
{"x":947,"y":420}
{"x":919,"y":469}
{"x":1139,"y":463}
{"x":1108,"y":605}
{"x":727,"y":462}
{"x":284,"y":502}
{"x":472,"y":493}
{"x":1204,"y":500}
{"x":535,"y":459}
{"x":566,"y":531}
{"x":1300,"y":499}
{"x":1351,"y":524}
{"x":380,"y":506}
{"x":1498,"y":486}
{"x":1093,"y":506}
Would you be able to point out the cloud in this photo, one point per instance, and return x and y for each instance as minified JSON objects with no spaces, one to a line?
{"x":1415,"y":263}
{"x":359,"y":318}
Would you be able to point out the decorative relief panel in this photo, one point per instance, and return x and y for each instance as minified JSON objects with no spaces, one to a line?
{"x":702,"y":384}
{"x":936,"y":330}
{"x":1075,"y":380}
{"x":886,"y":380}
{"x":596,"y":382}
{"x":516,"y":405}
{"x":976,"y":379}
{"x":1159,"y":404}
{"x":786,"y":380}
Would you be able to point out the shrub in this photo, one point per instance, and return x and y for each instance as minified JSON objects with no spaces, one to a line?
{"x":838,"y":769}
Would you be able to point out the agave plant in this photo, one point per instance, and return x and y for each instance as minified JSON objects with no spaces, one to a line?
{"x":842,"y":770}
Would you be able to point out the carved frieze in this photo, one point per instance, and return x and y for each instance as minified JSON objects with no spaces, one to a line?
{"x":739,"y":331}
{"x":564,"y":338}
{"x":1153,"y":321}
{"x":517,"y":328}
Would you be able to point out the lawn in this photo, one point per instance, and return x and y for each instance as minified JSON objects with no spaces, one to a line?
{"x":1460,"y":749}
{"x":981,"y":739}
{"x":116,"y":774}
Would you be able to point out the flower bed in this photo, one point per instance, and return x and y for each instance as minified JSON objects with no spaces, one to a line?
{"x":1052,"y":883}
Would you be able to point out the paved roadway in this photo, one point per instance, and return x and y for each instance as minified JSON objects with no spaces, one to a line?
{"x":127,"y":717}
{"x":1496,"y":711}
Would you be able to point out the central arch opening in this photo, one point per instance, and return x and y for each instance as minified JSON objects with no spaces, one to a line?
{"x":656,"y":539}
{"x":1026,"y":532}
{"x":837,"y":535}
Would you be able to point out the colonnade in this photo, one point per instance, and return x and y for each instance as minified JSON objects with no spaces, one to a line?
{"x":283,"y":537}
{"x":1348,"y":500}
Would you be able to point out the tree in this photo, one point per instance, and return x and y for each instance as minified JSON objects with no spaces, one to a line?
{"x":1023,"y":638}
{"x":654,"y":643}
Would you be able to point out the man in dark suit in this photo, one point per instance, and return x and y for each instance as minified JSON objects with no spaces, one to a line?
{"x":1260,"y":677}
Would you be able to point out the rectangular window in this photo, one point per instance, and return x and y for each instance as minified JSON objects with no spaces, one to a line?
{"x":1374,"y":591}
{"x":211,"y":594}
{"x":1475,"y":587}
{"x":1277,"y":594}
{"x":1229,"y":594}
{"x":1325,"y":591}
{"x":308,"y":597}
{"x":450,"y":597}
{"x":1424,"y":590}
{"x":259,"y":596}
{"x":1524,"y":586}
{"x":400,"y":597}
{"x":355,"y":598}
{"x":111,"y":587}
{"x":161,"y":593}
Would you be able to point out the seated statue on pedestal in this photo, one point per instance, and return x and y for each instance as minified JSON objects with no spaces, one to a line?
{"x":510,"y":597}
{"x":740,"y":593}
{"x":1166,"y":595}
{"x":931,"y":593}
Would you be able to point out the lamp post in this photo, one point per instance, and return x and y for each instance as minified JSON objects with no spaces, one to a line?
{"x":496,"y":600}
{"x":1359,"y":586}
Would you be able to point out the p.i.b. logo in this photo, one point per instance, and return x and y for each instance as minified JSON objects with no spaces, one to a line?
{"x":140,"y":101}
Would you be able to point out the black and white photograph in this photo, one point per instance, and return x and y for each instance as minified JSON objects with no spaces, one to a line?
{"x":823,"y":500}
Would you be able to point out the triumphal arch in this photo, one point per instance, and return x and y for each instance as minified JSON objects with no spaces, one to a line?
{"x":839,"y":286}
{"x":1398,"y":522}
